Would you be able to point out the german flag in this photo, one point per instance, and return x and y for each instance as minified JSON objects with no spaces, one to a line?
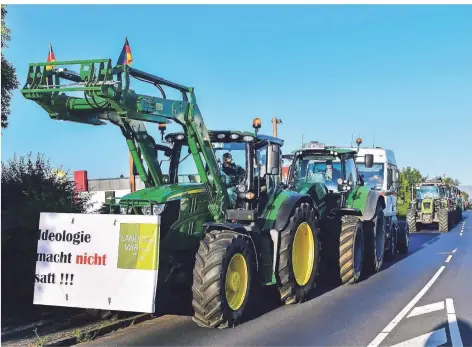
{"x":125,"y":57}
{"x":51,"y":57}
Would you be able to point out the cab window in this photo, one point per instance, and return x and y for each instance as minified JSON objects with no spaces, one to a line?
{"x":351,"y":173}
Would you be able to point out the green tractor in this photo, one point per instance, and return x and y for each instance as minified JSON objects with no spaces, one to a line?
{"x":220,"y":239}
{"x":431,"y":203}
{"x":352,"y":221}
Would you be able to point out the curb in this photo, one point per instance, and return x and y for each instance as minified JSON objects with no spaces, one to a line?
{"x":20,"y":331}
{"x":100,"y":331}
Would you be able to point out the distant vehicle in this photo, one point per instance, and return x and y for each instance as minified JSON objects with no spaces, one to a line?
{"x":432,"y":201}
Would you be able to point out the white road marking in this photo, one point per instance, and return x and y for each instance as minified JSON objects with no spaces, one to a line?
{"x":427,"y":309}
{"x":380,"y":337}
{"x":454,"y":251}
{"x":456,"y":339}
{"x":448,"y":259}
{"x":432,"y":339}
{"x":450,"y":306}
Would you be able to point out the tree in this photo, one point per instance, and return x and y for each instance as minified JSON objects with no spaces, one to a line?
{"x":408,"y":178}
{"x":9,"y":80}
{"x":465,"y":195}
{"x":29,"y":186}
{"x":449,"y":181}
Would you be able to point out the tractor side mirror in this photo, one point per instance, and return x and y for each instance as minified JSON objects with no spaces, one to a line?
{"x":369,"y":160}
{"x":273,"y":160}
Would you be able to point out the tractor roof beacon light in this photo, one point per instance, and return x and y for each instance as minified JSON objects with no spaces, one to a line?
{"x":256,"y":124}
{"x":358,"y":141}
{"x":162,"y":129}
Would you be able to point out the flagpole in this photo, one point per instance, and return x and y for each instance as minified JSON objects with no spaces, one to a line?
{"x":132,"y":178}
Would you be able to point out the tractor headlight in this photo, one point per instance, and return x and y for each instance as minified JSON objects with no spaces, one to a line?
{"x":180,"y":137}
{"x":234,"y":136}
{"x":158,"y":209}
{"x":248,"y":138}
{"x":340,"y":181}
{"x":123,"y":210}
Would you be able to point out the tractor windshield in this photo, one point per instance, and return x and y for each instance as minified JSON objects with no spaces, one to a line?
{"x":319,"y":169}
{"x":188,"y":172}
{"x":374,"y":176}
{"x":232,"y":161}
{"x":427,"y":192}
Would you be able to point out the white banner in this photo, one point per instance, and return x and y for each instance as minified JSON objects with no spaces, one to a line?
{"x":97,"y":261}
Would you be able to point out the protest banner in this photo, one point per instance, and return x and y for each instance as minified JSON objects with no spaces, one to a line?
{"x":97,"y":261}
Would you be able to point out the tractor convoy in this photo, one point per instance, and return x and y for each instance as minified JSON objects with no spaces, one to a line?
{"x":241,"y":227}
{"x":434,"y":201}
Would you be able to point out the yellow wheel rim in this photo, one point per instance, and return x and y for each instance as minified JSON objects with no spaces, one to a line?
{"x":236,"y":281}
{"x":303,"y":254}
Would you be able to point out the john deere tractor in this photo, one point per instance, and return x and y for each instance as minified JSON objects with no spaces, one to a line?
{"x":220,"y":238}
{"x":431,"y":202}
{"x":352,"y":228}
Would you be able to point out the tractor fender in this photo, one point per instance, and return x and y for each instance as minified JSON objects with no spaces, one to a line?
{"x":373,"y":198}
{"x":288,"y":206}
{"x":283,"y":216}
{"x":236,"y":228}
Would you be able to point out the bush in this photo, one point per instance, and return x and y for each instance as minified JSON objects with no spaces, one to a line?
{"x":401,"y":210}
{"x":29,"y":186}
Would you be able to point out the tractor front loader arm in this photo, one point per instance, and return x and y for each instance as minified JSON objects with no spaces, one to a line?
{"x":107,"y":96}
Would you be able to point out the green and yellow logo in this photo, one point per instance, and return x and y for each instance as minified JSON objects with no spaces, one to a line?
{"x":138,"y":247}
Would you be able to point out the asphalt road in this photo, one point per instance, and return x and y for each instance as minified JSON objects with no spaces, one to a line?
{"x":422,"y":298}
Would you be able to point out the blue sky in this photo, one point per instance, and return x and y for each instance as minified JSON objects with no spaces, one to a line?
{"x":329,"y":72}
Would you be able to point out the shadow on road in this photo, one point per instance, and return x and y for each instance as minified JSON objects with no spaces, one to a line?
{"x":465,"y":332}
{"x":181,"y":303}
{"x":418,"y":241}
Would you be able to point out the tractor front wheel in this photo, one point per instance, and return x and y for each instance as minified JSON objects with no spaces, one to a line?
{"x":403,"y":239}
{"x":374,"y":241}
{"x":411,"y":220}
{"x":392,"y":250}
{"x":298,"y":256}
{"x":222,"y":279}
{"x":443,"y":217}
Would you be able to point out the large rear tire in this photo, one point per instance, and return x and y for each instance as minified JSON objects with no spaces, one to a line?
{"x":374,"y":241}
{"x":411,"y":220}
{"x":222,"y":279}
{"x":298,"y":257}
{"x":351,"y":250}
{"x":443,"y":224}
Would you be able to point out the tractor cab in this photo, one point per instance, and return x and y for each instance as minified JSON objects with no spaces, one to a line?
{"x":332,"y":168}
{"x":249,"y":166}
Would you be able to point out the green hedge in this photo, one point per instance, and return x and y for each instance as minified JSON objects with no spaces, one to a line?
{"x":29,"y":186}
